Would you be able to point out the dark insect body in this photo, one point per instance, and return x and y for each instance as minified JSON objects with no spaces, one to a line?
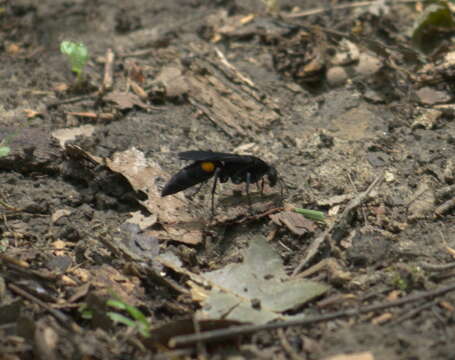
{"x":222,"y":167}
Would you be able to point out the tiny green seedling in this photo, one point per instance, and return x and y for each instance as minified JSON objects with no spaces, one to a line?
{"x":77,"y":54}
{"x":138,"y":320}
{"x":311,"y":214}
{"x":4,"y":150}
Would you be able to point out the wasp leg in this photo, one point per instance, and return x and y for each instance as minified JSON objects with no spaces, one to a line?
{"x":216,"y":175}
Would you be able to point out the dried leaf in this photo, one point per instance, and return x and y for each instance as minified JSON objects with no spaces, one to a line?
{"x":125,"y":100}
{"x":358,"y":356}
{"x":257,"y":290}
{"x":296,"y":223}
{"x":68,"y":134}
{"x":171,"y":212}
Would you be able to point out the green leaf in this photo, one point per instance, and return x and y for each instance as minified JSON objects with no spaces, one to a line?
{"x":136,"y":314}
{"x":311,"y":214}
{"x":85,"y":312}
{"x":119,"y":318}
{"x":140,"y":321}
{"x":77,"y":54}
{"x":144,"y":329}
{"x":4,"y":150}
{"x":428,"y":29}
{"x":116,"y":304}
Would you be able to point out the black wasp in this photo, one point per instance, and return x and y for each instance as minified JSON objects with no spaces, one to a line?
{"x":222,"y":167}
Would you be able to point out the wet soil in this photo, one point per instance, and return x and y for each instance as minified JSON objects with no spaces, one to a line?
{"x":332,"y":99}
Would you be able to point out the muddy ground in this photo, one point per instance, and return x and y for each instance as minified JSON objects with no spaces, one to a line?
{"x":337,"y":100}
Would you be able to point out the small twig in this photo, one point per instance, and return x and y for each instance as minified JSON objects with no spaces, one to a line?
{"x":200,"y":345}
{"x":92,"y":115}
{"x":236,"y":331}
{"x":231,"y":67}
{"x":175,"y":354}
{"x":445,"y":207}
{"x":9,"y":207}
{"x":413,"y":312}
{"x":338,"y":7}
{"x":322,"y":10}
{"x":108,"y":79}
{"x":437,"y":267}
{"x":64,"y":320}
{"x":341,"y":221}
{"x":71,"y":100}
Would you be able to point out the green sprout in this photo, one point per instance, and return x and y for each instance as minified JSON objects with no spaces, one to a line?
{"x":432,"y":25}
{"x":77,"y":54}
{"x":311,"y":214}
{"x":85,"y":312}
{"x":4,"y":150}
{"x":137,"y":320}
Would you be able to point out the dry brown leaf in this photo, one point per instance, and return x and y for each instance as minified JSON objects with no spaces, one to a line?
{"x":32,"y":113}
{"x":422,"y":202}
{"x":171,"y":212}
{"x":296,"y":223}
{"x":381,"y":319}
{"x":146,"y":177}
{"x":67,"y":281}
{"x":138,"y":90}
{"x":60,"y":87}
{"x":109,"y":279}
{"x":82,"y":274}
{"x":358,"y":356}
{"x":13,"y":49}
{"x":446,"y":305}
{"x":92,"y":115}
{"x":125,"y":100}
{"x":430,"y":96}
{"x":59,"y":214}
{"x":450,"y":251}
{"x":68,"y":134}
{"x":135,"y":72}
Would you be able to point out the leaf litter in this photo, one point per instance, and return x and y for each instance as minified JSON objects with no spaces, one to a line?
{"x":256,"y":290}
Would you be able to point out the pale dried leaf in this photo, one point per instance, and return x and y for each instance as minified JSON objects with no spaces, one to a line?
{"x":358,"y":356}
{"x":257,"y":290}
{"x":125,"y":100}
{"x":68,"y":134}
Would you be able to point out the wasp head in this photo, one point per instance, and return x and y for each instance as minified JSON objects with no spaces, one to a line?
{"x":272,"y":175}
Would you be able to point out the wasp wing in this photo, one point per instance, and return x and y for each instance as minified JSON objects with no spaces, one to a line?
{"x":199,"y":155}
{"x":187,"y":177}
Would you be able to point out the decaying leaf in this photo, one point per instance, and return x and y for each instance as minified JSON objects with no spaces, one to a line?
{"x":430,"y":96}
{"x":422,"y":202}
{"x":32,"y":113}
{"x":125,"y":100}
{"x":147,"y":176}
{"x":427,"y":120}
{"x":296,"y":223}
{"x":357,"y":356}
{"x":163,"y":334}
{"x":68,"y":134}
{"x":107,"y":280}
{"x":257,"y":290}
{"x":173,"y":81}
